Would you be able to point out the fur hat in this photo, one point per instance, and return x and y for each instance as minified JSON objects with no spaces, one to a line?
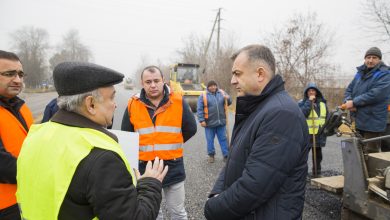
{"x":374,"y":51}
{"x":72,"y":78}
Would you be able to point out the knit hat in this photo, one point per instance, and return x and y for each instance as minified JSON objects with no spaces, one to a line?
{"x":211,"y":83}
{"x":71,"y":78}
{"x":374,"y":51}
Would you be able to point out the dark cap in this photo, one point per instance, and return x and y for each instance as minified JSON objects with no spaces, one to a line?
{"x":71,"y":78}
{"x":374,"y":51}
{"x":211,"y":83}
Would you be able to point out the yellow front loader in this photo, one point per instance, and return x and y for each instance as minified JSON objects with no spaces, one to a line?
{"x":185,"y":79}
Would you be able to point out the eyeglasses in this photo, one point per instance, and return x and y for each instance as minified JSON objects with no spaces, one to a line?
{"x":13,"y":73}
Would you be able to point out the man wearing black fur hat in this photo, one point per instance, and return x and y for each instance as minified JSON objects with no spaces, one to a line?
{"x":367,"y":97}
{"x":72,"y":167}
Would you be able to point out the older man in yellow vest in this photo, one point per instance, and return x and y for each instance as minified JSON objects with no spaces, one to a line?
{"x":72,"y":167}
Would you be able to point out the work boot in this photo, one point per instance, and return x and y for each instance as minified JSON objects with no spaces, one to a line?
{"x":211,"y":159}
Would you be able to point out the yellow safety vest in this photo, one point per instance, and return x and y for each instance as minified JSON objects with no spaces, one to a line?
{"x":318,"y":121}
{"x":47,"y":162}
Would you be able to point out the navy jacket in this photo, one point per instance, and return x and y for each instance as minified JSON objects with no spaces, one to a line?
{"x":265,"y":175}
{"x":215,"y":105}
{"x":305,"y":106}
{"x":176,"y":172}
{"x":369,"y":91}
{"x":50,"y":109}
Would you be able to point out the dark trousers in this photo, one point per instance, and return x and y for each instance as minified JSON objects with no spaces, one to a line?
{"x":318,"y":160}
{"x":372,"y":146}
{"x":10,"y":213}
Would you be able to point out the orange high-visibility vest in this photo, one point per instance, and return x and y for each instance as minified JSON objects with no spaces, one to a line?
{"x":12,"y":134}
{"x":163,"y":139}
{"x":205,"y":107}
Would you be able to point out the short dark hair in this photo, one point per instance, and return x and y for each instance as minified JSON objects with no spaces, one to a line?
{"x":8,"y":56}
{"x":151,"y":69}
{"x":256,"y":52}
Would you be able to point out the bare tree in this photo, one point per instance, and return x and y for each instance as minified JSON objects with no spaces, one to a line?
{"x":378,"y":13}
{"x":301,"y":50}
{"x":31,"y":45}
{"x":215,"y":65}
{"x":71,"y":49}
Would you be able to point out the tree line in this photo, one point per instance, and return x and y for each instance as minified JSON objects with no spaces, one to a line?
{"x":32,"y":46}
{"x":302,"y":47}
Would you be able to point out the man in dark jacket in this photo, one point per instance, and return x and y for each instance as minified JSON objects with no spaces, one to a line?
{"x":367,"y":97}
{"x":265,"y":175}
{"x":72,"y":167}
{"x":164,"y":122}
{"x":211,"y":111}
{"x":313,"y":106}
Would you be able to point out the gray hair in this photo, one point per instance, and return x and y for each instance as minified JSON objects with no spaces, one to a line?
{"x":73,"y":103}
{"x":258,"y":53}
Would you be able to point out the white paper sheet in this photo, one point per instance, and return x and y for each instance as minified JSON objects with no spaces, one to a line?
{"x":129,"y":142}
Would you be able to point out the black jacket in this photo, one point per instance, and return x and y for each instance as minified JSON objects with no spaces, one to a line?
{"x":265,"y":175}
{"x":102,"y":186}
{"x":176,"y":172}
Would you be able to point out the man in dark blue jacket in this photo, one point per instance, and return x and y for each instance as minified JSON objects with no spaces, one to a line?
{"x":212,"y":116}
{"x":265,"y":174}
{"x":313,"y":106}
{"x":367,"y":97}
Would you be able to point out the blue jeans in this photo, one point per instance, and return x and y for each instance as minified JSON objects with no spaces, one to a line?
{"x":221,"y":135}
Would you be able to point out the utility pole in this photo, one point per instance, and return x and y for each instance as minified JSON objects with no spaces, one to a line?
{"x":217,"y":19}
{"x":219,"y":31}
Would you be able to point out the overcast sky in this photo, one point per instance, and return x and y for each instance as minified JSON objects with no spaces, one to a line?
{"x":119,"y":32}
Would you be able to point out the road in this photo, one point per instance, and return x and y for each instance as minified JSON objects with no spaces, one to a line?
{"x":202,"y":175}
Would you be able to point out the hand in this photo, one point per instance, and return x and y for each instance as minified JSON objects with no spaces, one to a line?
{"x":203,"y":124}
{"x":349,"y":105}
{"x":312,"y":98}
{"x":155,"y":170}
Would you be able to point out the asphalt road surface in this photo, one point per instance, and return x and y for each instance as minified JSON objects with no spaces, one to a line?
{"x":202,"y":175}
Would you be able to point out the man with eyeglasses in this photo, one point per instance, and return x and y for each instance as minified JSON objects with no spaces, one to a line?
{"x":16,"y":119}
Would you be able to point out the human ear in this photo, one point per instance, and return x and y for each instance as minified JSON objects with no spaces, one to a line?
{"x":89,"y":104}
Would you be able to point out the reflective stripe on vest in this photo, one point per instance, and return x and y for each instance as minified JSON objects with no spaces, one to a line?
{"x":48,"y":161}
{"x":318,"y":121}
{"x":150,"y":130}
{"x":164,"y":138}
{"x":205,"y":106}
{"x":12,"y":134}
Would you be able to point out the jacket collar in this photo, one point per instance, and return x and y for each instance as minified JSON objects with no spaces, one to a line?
{"x":247,"y":104}
{"x":14,"y":103}
{"x":363,"y":69}
{"x":76,"y":120}
{"x":164,"y":100}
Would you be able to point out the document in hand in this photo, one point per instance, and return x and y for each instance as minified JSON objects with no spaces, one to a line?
{"x":129,"y":142}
